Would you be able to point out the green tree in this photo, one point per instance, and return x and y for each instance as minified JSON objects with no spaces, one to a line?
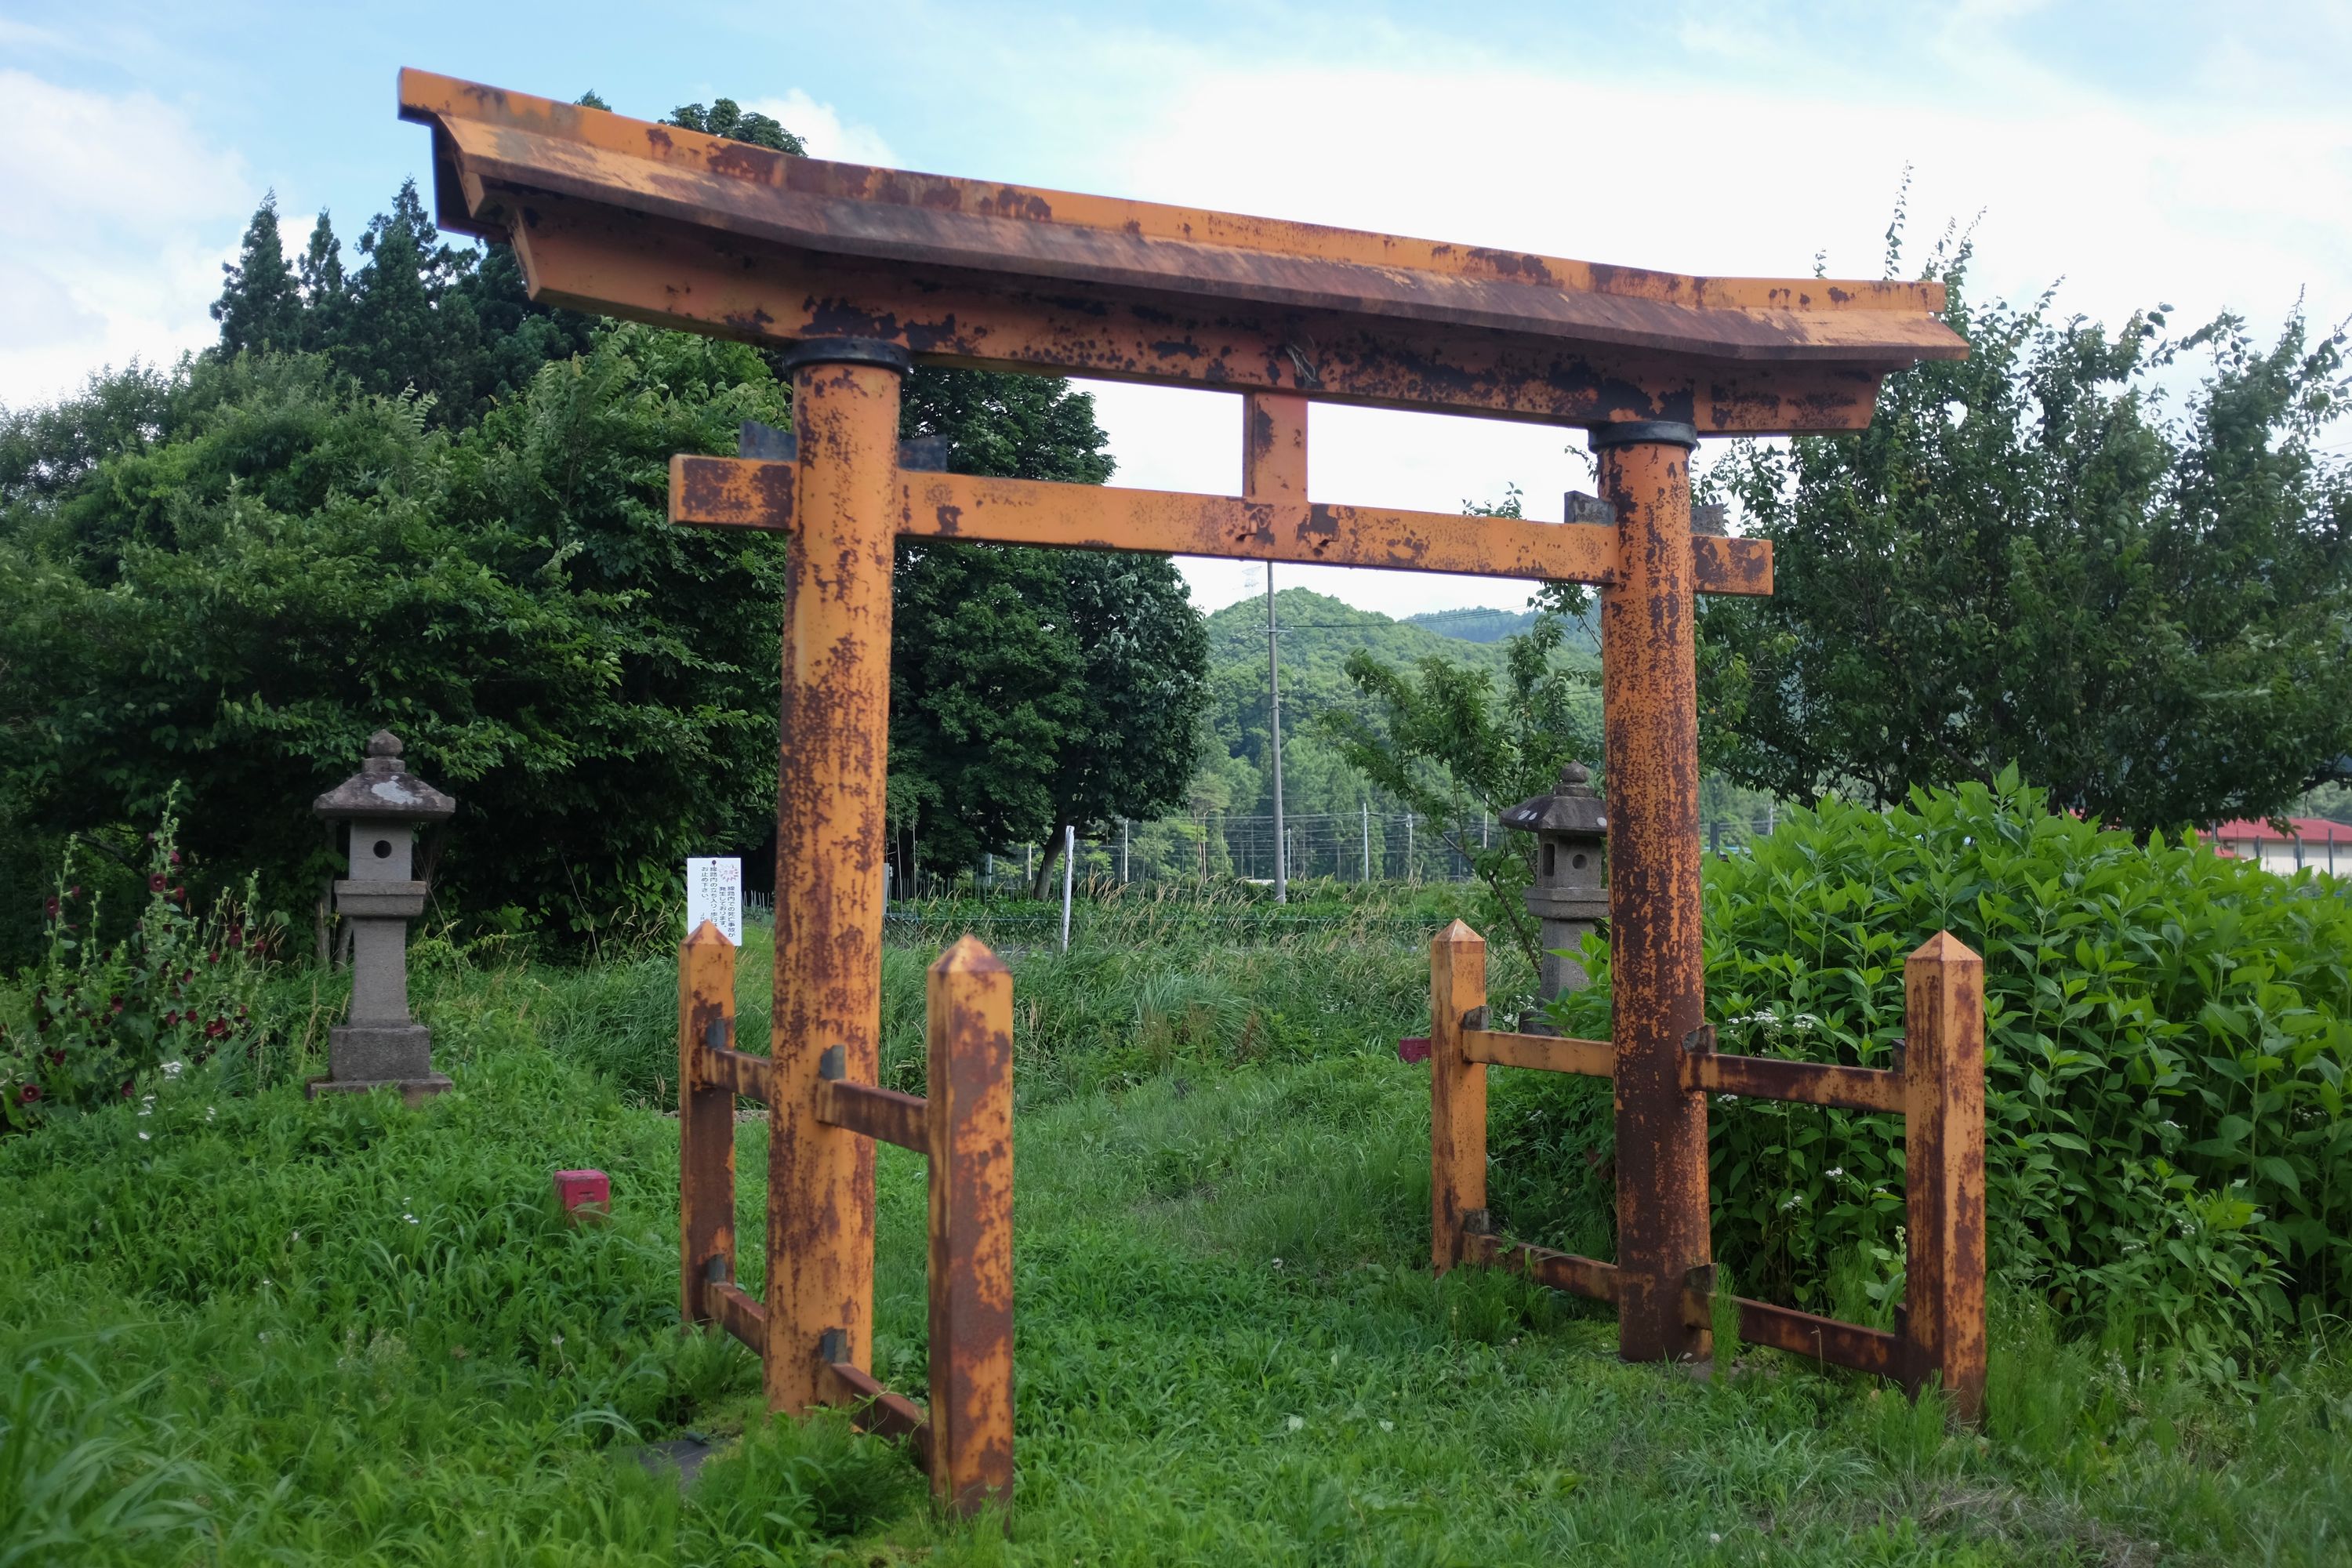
{"x":259,"y":307}
{"x":326,"y":293}
{"x":1442,"y":739}
{"x":408,"y":329}
{"x":2025,"y":558}
{"x":727,"y":118}
{"x":237,"y":607}
{"x":1032,"y":688}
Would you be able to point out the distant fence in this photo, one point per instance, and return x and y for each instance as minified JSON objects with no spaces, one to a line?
{"x":1361,"y":845}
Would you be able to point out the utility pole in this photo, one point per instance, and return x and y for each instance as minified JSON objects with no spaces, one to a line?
{"x":1274,"y":724}
{"x":1122,"y":852}
{"x":1069,"y":853}
{"x":1368,"y":841}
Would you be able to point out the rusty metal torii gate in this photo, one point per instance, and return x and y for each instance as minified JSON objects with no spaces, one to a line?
{"x":859,"y":273}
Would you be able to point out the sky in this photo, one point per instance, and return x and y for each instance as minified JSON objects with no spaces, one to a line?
{"x":2127,"y":154}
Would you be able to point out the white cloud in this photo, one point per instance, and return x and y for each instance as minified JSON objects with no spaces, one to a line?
{"x":2237,"y":206}
{"x":819,"y":126}
{"x":112,"y":217}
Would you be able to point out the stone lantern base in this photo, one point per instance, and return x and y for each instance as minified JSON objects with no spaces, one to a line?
{"x":362,"y":1057}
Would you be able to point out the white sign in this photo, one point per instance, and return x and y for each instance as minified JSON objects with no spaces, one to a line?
{"x":714,"y":892}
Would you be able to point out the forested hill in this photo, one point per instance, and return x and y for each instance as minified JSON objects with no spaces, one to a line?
{"x":1475,"y":625}
{"x":1317,"y":635}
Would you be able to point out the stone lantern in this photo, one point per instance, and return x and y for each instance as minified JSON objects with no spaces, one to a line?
{"x":381,"y":1046}
{"x":1570,"y":895}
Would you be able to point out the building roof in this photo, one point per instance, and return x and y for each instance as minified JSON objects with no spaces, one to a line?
{"x":2304,"y":830}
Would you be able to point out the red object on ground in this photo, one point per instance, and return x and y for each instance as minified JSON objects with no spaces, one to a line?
{"x":1414,"y":1048}
{"x":588,"y":1190}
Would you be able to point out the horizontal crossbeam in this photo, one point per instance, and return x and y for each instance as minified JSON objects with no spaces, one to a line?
{"x":874,"y":1408}
{"x":745,"y":492}
{"x":1786,"y":1329}
{"x":1806,"y":1083}
{"x":739,"y":1314}
{"x":871,"y":1112}
{"x":740,"y":1073}
{"x":1586,"y":1276}
{"x":1548,"y":1053}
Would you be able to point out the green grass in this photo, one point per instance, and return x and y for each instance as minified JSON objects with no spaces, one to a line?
{"x":275,"y":1331}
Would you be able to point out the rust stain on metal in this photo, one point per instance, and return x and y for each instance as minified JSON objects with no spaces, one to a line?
{"x":829,"y":831}
{"x":1650,"y":705}
{"x":969,"y":994}
{"x":1274,"y":447}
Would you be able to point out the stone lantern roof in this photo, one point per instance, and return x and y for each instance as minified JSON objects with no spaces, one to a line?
{"x":1574,"y":807}
{"x":383,"y":790}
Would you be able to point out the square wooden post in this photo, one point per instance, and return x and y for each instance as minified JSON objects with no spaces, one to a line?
{"x":706,"y":1119}
{"x":969,"y":997}
{"x":1457,"y":1095}
{"x":1944,"y":1297}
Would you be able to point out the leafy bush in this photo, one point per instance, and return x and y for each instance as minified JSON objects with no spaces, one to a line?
{"x":2166,"y":1039}
{"x":175,"y":989}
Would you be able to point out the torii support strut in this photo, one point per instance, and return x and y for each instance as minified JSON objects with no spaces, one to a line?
{"x":872,"y":267}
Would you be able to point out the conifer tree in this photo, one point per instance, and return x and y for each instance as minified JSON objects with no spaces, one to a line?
{"x":325,"y":291}
{"x":258,"y":308}
{"x":405,"y":332}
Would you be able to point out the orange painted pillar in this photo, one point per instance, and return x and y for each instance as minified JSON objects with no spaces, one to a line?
{"x":1944,"y":1173}
{"x":830,"y":835}
{"x":706,"y":1120}
{"x":1657,"y":996}
{"x":969,"y":1119}
{"x":1457,"y":1095}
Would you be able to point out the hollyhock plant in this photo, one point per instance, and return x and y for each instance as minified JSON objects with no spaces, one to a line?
{"x":175,"y":988}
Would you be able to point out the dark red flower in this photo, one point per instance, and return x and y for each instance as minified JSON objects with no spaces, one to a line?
{"x":28,"y":1094}
{"x":180,"y":895}
{"x":49,"y":909}
{"x":235,"y":937}
{"x":176,"y":857}
{"x":212,"y":958}
{"x":126,"y":1088}
{"x":216,"y":1028}
{"x":155,"y":882}
{"x":56,"y":1057}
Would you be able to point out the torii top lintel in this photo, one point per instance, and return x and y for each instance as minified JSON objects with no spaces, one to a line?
{"x":668,"y":226}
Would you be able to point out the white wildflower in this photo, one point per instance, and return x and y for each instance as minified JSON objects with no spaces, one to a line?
{"x":1388,"y":1426}
{"x":1836,"y":1171}
{"x":173,"y":1069}
{"x":143,"y":1137}
{"x":1296,"y":1422}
